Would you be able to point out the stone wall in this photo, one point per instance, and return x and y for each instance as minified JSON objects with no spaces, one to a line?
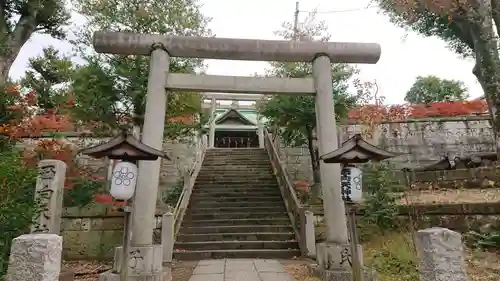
{"x":94,"y":231}
{"x":182,"y":155}
{"x":417,"y":142}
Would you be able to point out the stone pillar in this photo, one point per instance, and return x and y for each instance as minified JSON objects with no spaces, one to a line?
{"x":334,"y":256}
{"x":212,"y":123}
{"x":167,"y":236}
{"x":260,"y":132}
{"x":310,"y":234}
{"x":335,"y":218}
{"x":144,"y":258}
{"x":49,"y":194}
{"x":144,"y":203}
{"x":441,"y":255}
{"x":35,"y":256}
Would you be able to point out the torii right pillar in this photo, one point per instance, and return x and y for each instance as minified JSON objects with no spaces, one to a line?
{"x":334,"y":255}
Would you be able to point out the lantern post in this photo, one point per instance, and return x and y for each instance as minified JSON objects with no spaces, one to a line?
{"x":128,"y":149}
{"x":354,"y":151}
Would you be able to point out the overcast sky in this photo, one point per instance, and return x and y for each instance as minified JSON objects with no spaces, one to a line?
{"x":405,"y":55}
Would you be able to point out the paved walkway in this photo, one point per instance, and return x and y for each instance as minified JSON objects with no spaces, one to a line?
{"x":240,"y":270}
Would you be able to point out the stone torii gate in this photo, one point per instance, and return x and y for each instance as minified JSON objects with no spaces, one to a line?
{"x":161,"y":48}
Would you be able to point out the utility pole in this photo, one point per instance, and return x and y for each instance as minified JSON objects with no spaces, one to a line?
{"x":296,"y":21}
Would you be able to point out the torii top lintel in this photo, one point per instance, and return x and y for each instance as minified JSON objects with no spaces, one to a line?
{"x":235,"y":49}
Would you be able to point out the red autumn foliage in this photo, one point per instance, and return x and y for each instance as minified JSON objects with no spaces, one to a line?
{"x":379,"y":113}
{"x":302,"y":186}
{"x":30,"y":121}
{"x":184,"y":119}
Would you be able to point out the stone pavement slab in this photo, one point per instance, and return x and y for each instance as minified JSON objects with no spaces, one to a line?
{"x":240,"y":270}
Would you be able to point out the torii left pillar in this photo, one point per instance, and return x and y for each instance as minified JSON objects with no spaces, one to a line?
{"x":145,"y":259}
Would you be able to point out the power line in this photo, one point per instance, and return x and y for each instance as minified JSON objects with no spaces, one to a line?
{"x":340,"y":11}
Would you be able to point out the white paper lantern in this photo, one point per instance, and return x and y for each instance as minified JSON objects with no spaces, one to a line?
{"x":123,"y":181}
{"x":351,"y":184}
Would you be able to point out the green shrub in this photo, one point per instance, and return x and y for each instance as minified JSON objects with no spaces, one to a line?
{"x":380,"y":203}
{"x":174,"y":193}
{"x":17,"y":204}
{"x":392,"y":255}
{"x":485,"y":240}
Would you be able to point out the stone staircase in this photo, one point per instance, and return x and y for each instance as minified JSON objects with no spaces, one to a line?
{"x":236,"y":210}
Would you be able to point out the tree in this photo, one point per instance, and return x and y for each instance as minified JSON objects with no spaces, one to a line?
{"x":469,"y":27}
{"x":49,"y":77}
{"x":111,"y":88}
{"x":19,"y":19}
{"x":296,"y":116}
{"x":433,"y":89}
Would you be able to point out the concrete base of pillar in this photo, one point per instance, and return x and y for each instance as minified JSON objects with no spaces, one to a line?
{"x":335,"y":263}
{"x":145,"y":263}
{"x":342,"y":275}
{"x":333,"y":256}
{"x":164,"y":275}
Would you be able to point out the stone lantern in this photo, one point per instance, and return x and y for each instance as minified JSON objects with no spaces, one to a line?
{"x":128,"y":150}
{"x":354,"y":151}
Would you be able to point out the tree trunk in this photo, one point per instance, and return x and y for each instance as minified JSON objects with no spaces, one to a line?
{"x":13,"y":40}
{"x":5,"y":65}
{"x":487,"y":68}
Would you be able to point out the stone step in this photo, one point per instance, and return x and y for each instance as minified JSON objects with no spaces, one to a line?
{"x":262,"y":179}
{"x":238,"y":156}
{"x":209,"y":204}
{"x":235,"y":254}
{"x":222,"y":161}
{"x":219,"y":209}
{"x":250,"y":199}
{"x":235,"y":192}
{"x":236,"y":245}
{"x":237,"y":163}
{"x":235,"y":149}
{"x":239,"y":186}
{"x":238,"y":222}
{"x":235,"y":229}
{"x":253,"y":236}
{"x":236,"y":169}
{"x":253,"y":177}
{"x":235,"y":215}
{"x":237,"y":152}
{"x":235,"y":181}
{"x":235,"y":173}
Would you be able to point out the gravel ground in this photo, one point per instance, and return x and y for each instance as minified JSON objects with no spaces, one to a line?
{"x":299,"y":270}
{"x":90,"y":270}
{"x":451,"y":196}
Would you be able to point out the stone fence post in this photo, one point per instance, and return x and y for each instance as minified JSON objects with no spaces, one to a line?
{"x":441,"y":255}
{"x":49,"y":196}
{"x":167,"y":236}
{"x":35,"y":257}
{"x":310,"y":234}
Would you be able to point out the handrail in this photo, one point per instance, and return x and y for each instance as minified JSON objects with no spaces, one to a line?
{"x":189,"y":180}
{"x":293,"y":206}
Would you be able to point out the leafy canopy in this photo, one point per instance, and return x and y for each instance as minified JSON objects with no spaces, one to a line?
{"x":112,"y":88}
{"x":19,"y":19}
{"x":433,"y":89}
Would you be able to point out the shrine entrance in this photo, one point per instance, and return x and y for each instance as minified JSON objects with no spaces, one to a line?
{"x":236,"y":139}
